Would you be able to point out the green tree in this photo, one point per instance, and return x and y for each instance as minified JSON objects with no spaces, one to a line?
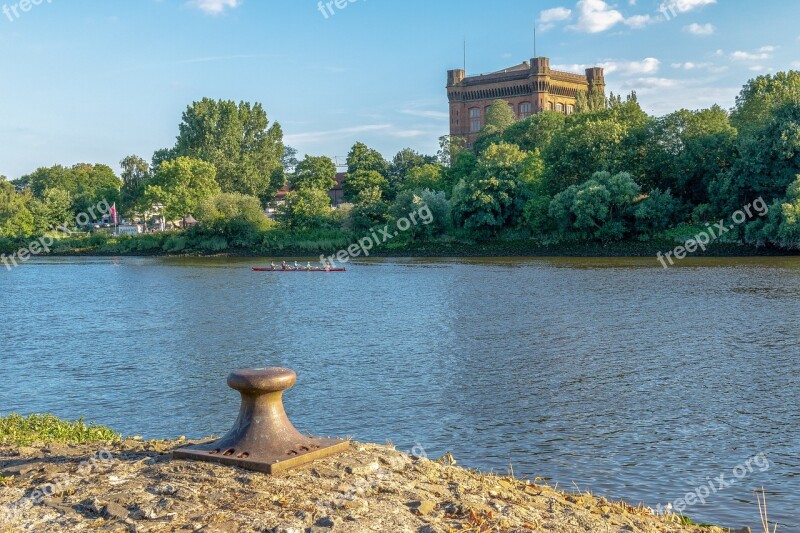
{"x":370,"y":210}
{"x":402,"y":164}
{"x":686,"y":150}
{"x":499,"y":117}
{"x":314,"y":173}
{"x":87,"y":184}
{"x":53,"y":209}
{"x":762,"y":96}
{"x":434,"y":202}
{"x":225,"y":207}
{"x":135,"y":176}
{"x":238,"y":140}
{"x":424,"y":177}
{"x":364,"y":159}
{"x":594,"y":100}
{"x":607,"y":140}
{"x":181,"y":185}
{"x":595,"y":209}
{"x":769,"y":154}
{"x":659,"y":211}
{"x":449,"y":148}
{"x":305,"y":209}
{"x":495,"y":194}
{"x":16,"y":220}
{"x":360,"y":180}
{"x":535,"y":132}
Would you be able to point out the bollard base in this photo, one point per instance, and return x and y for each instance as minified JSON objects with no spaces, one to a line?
{"x":274,"y":463}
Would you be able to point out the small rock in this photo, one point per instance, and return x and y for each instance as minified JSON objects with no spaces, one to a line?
{"x":114,"y":511}
{"x":144,"y":513}
{"x":19,"y":470}
{"x":222,"y":527}
{"x":326,"y":522}
{"x":422,"y":508}
{"x":359,"y":469}
{"x":283,"y":528}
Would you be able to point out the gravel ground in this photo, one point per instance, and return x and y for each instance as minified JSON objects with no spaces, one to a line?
{"x":137,"y":486}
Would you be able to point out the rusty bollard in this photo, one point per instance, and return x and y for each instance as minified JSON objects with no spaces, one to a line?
{"x":263,"y":439}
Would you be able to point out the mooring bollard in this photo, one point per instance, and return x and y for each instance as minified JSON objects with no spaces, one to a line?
{"x":263,"y":439}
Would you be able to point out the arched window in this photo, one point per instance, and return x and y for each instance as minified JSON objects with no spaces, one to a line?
{"x":525,"y":110}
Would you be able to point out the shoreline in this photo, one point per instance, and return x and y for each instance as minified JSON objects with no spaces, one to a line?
{"x":629,"y":249}
{"x":133,"y":485}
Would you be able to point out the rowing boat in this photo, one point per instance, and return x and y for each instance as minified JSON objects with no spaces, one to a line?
{"x":269,"y":269}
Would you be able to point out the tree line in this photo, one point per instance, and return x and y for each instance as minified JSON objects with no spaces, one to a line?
{"x":607,"y":172}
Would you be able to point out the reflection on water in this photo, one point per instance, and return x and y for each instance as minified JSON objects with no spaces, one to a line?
{"x":614,"y":374}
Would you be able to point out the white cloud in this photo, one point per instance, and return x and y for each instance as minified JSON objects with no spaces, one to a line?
{"x":763,"y":53}
{"x":426,"y":114}
{"x":700,"y":29}
{"x":651,"y":83}
{"x":649,"y":65}
{"x":684,"y":6}
{"x":690,"y":65}
{"x":639,"y":21}
{"x":760,"y":68}
{"x":215,"y":7}
{"x":695,"y":92}
{"x":549,"y":17}
{"x":595,"y":16}
{"x":317,"y":136}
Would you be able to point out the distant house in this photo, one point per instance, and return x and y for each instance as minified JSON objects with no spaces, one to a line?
{"x":337,"y":193}
{"x":130,"y":229}
{"x":189,"y":222}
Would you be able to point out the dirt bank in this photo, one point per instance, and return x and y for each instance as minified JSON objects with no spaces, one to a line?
{"x":136,"y":486}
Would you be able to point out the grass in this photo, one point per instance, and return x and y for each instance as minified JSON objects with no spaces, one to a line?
{"x":17,"y":430}
{"x":762,"y":511}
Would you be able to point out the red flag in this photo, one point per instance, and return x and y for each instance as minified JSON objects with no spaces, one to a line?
{"x":114,"y":213}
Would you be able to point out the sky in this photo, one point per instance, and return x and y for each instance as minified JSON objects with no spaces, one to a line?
{"x":94,"y":80}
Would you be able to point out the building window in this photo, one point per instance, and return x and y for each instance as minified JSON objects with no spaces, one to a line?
{"x":560,"y":108}
{"x":570,"y":109}
{"x":525,"y":110}
{"x":474,"y":120}
{"x":552,"y":106}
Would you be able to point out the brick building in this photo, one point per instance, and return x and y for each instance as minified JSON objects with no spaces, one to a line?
{"x":529,"y":88}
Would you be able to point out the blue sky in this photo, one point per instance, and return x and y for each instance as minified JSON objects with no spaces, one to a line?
{"x":94,"y":81}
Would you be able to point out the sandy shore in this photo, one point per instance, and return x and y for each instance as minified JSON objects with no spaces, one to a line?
{"x":137,"y":486}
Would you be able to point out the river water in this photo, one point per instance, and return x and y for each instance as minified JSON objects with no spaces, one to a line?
{"x":612,"y":375}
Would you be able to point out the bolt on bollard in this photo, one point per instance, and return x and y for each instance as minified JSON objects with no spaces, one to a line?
{"x":263,"y":439}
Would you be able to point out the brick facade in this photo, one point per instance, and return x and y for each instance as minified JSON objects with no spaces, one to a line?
{"x":529,"y":88}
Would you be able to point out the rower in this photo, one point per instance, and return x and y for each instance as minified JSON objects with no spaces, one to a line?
{"x":273,"y":265}
{"x":296,"y":266}
{"x":308,"y":266}
{"x":283,"y":265}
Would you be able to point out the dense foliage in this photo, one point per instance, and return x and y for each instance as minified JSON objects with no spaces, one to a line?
{"x":608,"y":172}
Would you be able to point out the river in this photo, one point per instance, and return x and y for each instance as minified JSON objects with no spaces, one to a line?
{"x":613,"y":375}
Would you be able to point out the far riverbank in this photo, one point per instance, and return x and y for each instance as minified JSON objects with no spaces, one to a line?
{"x":281,"y":244}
